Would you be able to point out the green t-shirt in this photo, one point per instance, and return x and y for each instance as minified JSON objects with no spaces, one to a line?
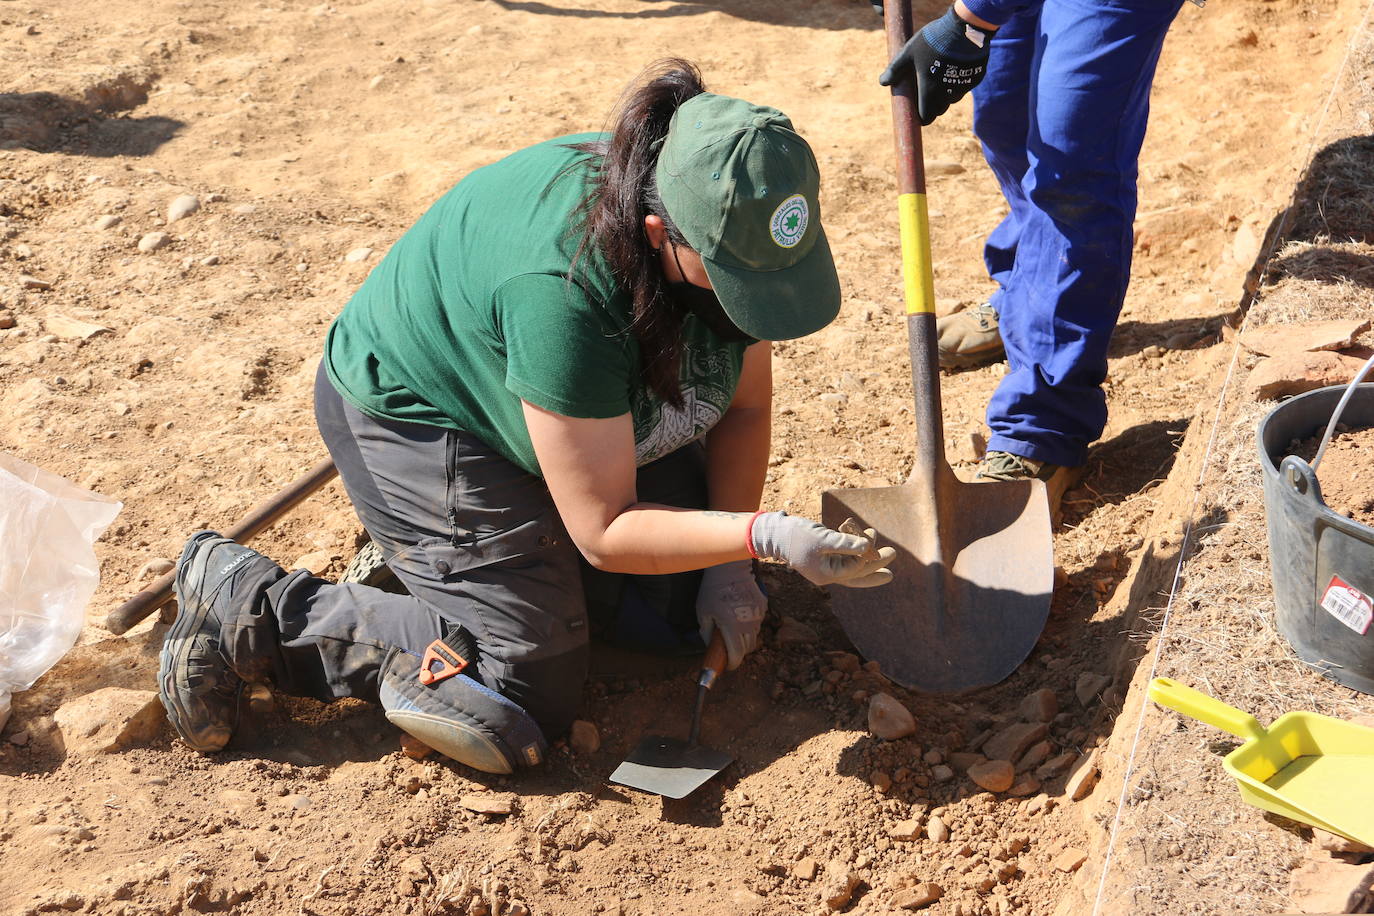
{"x":472,"y":311}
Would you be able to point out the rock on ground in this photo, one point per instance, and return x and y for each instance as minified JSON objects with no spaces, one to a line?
{"x":918,"y":897}
{"x":583,"y":737}
{"x":1293,"y":373}
{"x":110,"y":719}
{"x":1332,"y":886}
{"x":994,"y":775}
{"x":1273,"y":339}
{"x":889,"y":719}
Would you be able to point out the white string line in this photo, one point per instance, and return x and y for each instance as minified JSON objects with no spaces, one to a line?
{"x":1356,"y":39}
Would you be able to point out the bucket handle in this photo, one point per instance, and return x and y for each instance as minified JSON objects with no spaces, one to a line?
{"x":1197,"y":705}
{"x":1340,"y":408}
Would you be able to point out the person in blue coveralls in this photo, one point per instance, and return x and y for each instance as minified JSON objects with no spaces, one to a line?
{"x":1061,"y":92}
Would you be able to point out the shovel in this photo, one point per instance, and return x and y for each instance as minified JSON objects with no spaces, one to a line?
{"x":672,"y":767}
{"x":974,"y":570}
{"x":1306,"y":767}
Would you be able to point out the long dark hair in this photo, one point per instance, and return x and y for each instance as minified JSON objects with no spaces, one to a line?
{"x":623,"y":191}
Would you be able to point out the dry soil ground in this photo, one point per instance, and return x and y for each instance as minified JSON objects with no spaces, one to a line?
{"x":313,"y":135}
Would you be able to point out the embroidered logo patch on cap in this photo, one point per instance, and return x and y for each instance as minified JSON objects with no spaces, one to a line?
{"x":788,"y":224}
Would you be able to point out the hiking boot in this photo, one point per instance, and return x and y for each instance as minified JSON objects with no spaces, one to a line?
{"x":969,"y":338}
{"x":1058,"y":479}
{"x":198,"y":687}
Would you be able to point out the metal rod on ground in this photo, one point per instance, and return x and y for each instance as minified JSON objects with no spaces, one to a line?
{"x":263,"y":515}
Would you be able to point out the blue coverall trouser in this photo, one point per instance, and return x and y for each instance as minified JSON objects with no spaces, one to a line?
{"x":1061,"y":115}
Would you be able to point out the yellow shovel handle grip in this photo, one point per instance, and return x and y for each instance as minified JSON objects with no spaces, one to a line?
{"x":1168,"y":692}
{"x":914,"y":223}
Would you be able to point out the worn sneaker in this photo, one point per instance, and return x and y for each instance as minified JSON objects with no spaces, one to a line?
{"x":195,"y":681}
{"x":1058,"y":479}
{"x":969,"y":338}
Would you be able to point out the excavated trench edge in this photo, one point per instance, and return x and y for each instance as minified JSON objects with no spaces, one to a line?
{"x":1164,"y":557}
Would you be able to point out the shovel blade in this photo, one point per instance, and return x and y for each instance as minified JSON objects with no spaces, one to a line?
{"x":669,"y":766}
{"x":972,"y":579}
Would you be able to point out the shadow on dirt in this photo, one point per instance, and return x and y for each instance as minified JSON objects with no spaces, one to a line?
{"x":49,"y":123}
{"x":1127,"y":464}
{"x":1339,"y":199}
{"x":826,"y":14}
{"x":1175,"y":334}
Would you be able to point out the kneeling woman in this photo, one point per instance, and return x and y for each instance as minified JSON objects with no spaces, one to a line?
{"x":550,"y":407}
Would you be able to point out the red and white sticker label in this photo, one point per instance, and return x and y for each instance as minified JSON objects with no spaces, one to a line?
{"x":1349,"y":605}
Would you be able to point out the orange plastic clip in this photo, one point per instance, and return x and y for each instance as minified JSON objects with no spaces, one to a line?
{"x":450,"y":663}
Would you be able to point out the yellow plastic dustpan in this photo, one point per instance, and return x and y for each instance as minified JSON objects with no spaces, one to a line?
{"x":1306,"y":767}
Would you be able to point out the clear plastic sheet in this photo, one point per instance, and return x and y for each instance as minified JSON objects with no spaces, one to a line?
{"x":48,"y":569}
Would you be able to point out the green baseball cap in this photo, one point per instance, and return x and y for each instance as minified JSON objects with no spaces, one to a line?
{"x":744,"y":189}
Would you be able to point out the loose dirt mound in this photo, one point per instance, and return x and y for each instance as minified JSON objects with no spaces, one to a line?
{"x":168,"y":363}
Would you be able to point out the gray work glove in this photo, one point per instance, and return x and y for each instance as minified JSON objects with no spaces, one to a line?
{"x":729,"y":598}
{"x":823,"y":555}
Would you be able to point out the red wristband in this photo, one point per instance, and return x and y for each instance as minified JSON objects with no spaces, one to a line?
{"x":749,"y":535}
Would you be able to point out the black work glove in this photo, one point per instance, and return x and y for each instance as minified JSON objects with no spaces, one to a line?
{"x":949,"y":56}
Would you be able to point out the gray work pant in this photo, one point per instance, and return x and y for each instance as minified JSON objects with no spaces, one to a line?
{"x":476,"y":541}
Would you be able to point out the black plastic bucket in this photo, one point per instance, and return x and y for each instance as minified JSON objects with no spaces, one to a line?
{"x":1322,"y":562}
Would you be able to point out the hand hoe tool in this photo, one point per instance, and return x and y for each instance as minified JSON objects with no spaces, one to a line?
{"x":974,"y":571}
{"x":672,"y":767}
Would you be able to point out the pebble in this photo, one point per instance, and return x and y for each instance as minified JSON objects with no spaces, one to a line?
{"x":834,"y":399}
{"x":937,"y":168}
{"x":315,"y":562}
{"x":905,"y":830}
{"x":1070,"y":860}
{"x":1089,"y":686}
{"x":1328,"y":841}
{"x":298,"y":803}
{"x":1037,"y":754}
{"x":941,"y":773}
{"x":1026,"y":785}
{"x":108,"y":221}
{"x":1040,"y":706}
{"x":239,"y":801}
{"x":31,"y":282}
{"x":210,"y":260}
{"x":20,"y":738}
{"x":153,"y":241}
{"x":110,"y":719}
{"x":1083,"y":778}
{"x":485,"y":803}
{"x":933,"y":756}
{"x":936,"y":830}
{"x":962,"y":760}
{"x":154,"y":567}
{"x":888,"y":718}
{"x":1040,"y":803}
{"x":414,"y":748}
{"x":994,"y":775}
{"x":881,"y":781}
{"x":805,"y":869}
{"x":72,"y":329}
{"x":584,"y":738}
{"x":1055,"y":765}
{"x":7,"y":320}
{"x":839,"y":889}
{"x":182,"y":207}
{"x":358,"y":254}
{"x":1011,"y":742}
{"x":414,"y":868}
{"x":793,"y":632}
{"x":918,"y":897}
